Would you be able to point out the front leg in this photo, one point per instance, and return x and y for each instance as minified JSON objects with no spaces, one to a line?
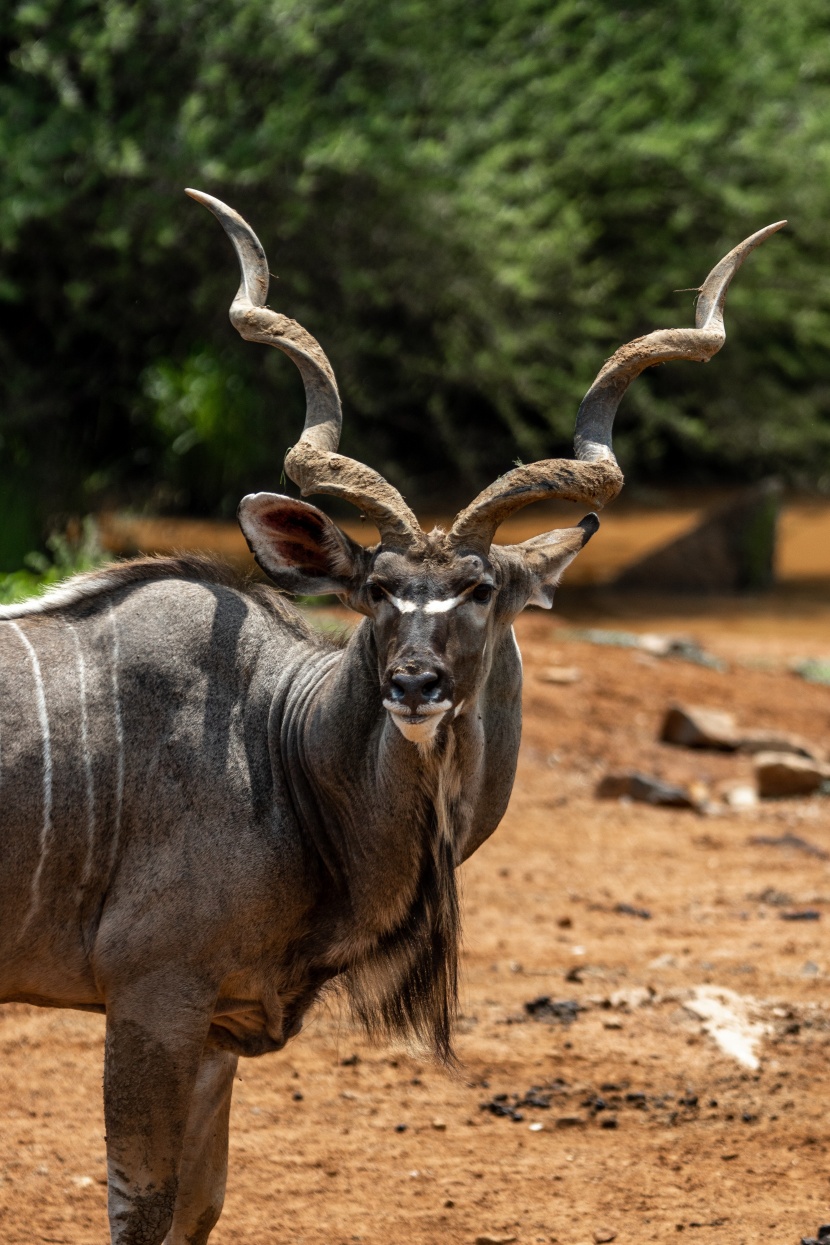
{"x":204,"y":1164}
{"x":156,"y":1031}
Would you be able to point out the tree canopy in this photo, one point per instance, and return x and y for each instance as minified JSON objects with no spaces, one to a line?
{"x":471,"y":206}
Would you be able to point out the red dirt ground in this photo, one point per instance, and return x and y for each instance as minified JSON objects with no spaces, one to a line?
{"x":704,"y":1149}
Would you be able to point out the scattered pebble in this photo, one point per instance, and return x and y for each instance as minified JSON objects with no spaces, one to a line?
{"x":789,"y":840}
{"x":646,"y":789}
{"x":739,"y":795}
{"x":603,"y":1235}
{"x":563,"y":1011}
{"x":690,"y":726}
{"x":560,"y":674}
{"x":487,"y":1239}
{"x":648,"y":642}
{"x":439,"y":1125}
{"x":780,"y":774}
{"x":627,"y":909}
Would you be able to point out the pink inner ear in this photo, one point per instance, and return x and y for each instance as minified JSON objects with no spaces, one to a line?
{"x":294,"y":537}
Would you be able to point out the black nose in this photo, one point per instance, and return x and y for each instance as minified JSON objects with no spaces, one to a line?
{"x":414,"y":690}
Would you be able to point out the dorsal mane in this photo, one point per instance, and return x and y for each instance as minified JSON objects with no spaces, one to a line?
{"x":109,"y":579}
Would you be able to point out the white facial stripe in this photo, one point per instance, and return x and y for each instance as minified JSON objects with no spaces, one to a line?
{"x":403,"y":607}
{"x":443,"y":607}
{"x":431,"y":607}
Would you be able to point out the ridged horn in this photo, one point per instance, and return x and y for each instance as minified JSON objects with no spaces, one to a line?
{"x":594,"y":477}
{"x":313,"y":463}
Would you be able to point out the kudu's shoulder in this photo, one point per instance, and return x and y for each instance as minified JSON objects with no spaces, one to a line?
{"x":164,"y":583}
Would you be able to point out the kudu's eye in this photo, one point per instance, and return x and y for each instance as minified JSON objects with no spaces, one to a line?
{"x":482,"y":593}
{"x":376,"y":592}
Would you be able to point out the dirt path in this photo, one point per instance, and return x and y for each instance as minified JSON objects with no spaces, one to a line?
{"x":648,"y":1128}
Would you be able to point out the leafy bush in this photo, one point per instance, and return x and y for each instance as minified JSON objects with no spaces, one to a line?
{"x":470,"y":205}
{"x":69,"y":554}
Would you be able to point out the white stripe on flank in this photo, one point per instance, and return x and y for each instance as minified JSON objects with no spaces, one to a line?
{"x":119,"y":735}
{"x":90,"y":785}
{"x":43,"y":720}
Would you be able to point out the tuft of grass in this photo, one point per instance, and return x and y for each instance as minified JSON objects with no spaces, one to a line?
{"x":69,"y":554}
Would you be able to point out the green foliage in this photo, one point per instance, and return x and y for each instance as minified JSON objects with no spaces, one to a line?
{"x":68,"y":556}
{"x":470,"y":205}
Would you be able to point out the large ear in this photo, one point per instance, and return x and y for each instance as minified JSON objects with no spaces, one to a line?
{"x":547,"y":556}
{"x":298,"y":546}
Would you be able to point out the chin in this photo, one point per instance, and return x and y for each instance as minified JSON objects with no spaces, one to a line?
{"x":417,"y":729}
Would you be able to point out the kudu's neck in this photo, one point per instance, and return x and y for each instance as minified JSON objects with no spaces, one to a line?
{"x":369,"y":799}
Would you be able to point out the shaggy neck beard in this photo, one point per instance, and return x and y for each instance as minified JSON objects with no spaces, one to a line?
{"x":407,"y":987}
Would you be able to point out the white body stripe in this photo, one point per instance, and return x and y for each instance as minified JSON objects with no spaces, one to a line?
{"x":90,"y":782}
{"x":46,"y":744}
{"x":119,"y":735}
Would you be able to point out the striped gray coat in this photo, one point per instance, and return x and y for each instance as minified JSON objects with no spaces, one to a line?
{"x":208,"y":811}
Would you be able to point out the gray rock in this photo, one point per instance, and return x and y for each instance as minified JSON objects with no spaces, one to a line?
{"x":779,"y":741}
{"x":646,"y":789}
{"x":781,"y":774}
{"x":691,"y":726}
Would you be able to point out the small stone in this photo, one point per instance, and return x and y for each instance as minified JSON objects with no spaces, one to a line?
{"x":693,"y":727}
{"x":739,"y":795}
{"x":603,"y":1235}
{"x":83,"y":1182}
{"x":644,"y":788}
{"x":608,"y":1121}
{"x":781,"y":774}
{"x":487,"y":1239}
{"x":400,"y":1128}
{"x":449,"y":1203}
{"x":779,"y":741}
{"x":439,"y":1125}
{"x":569,"y":1121}
{"x":560,"y":674}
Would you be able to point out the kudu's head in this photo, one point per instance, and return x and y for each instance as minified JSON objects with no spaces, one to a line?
{"x":438,"y":601}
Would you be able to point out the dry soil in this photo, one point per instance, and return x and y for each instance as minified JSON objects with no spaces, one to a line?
{"x":616,"y":1115}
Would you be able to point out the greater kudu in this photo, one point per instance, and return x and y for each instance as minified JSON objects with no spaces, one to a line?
{"x":209,"y":811}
